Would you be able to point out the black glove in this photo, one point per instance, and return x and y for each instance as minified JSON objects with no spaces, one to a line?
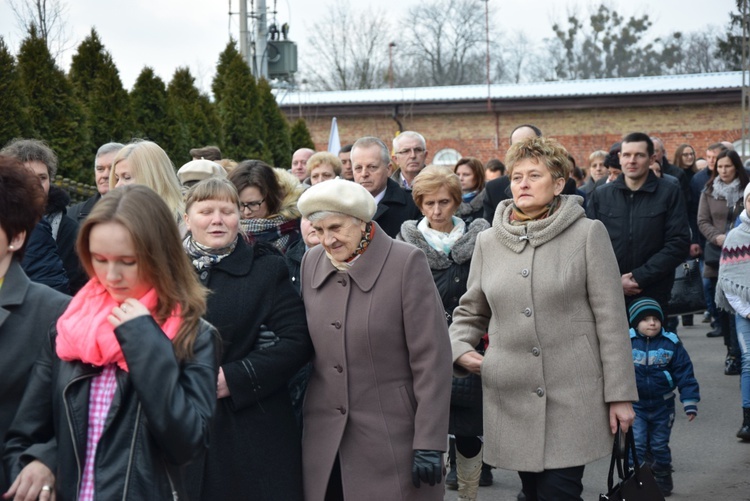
{"x":427,"y":467}
{"x":266,"y":339}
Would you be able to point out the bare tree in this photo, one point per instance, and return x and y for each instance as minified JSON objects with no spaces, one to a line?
{"x":444,"y":41}
{"x":49,"y":18}
{"x":348,"y":50}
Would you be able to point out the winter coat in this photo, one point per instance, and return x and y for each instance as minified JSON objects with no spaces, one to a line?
{"x":470,"y":211}
{"x":65,"y":232}
{"x":712,"y":222}
{"x":648,"y":229}
{"x":255,"y":451}
{"x":80,"y":211}
{"x":550,"y":297}
{"x":697,"y":185}
{"x":662,"y":364}
{"x":157,"y":423}
{"x":27,"y":310}
{"x":396,"y":207}
{"x":380,"y":386}
{"x":293,"y":258}
{"x":495,"y":191}
{"x":450,"y":274}
{"x":41,"y":261}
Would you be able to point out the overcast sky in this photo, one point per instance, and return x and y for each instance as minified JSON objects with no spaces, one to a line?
{"x":166,"y":34}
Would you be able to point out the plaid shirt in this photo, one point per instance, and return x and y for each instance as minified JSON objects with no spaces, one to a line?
{"x":101,"y":394}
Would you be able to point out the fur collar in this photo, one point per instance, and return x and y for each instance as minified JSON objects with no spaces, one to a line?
{"x":292,"y":189}
{"x":539,"y":232}
{"x":461,"y":252}
{"x":476,"y":204}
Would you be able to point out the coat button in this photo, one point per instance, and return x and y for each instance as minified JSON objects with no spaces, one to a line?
{"x":527,"y":312}
{"x":343,"y":282}
{"x":341,"y":410}
{"x":338,"y":368}
{"x":524,"y":272}
{"x":337,"y":324}
{"x":539,"y":392}
{"x":456,"y":279}
{"x":204,"y":275}
{"x":535,"y":351}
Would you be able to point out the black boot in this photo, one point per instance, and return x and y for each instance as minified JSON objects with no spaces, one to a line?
{"x":744,"y":432}
{"x":485,"y":478}
{"x":664,"y":481}
{"x":451,"y":479}
{"x":732,"y":366}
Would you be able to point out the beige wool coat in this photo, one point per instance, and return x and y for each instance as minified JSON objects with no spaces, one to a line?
{"x":381,"y":380}
{"x":549,"y":294}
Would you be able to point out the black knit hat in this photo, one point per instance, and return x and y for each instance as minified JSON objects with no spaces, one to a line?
{"x":642,"y":308}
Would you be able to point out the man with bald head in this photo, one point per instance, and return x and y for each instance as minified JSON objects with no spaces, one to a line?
{"x":299,"y":163}
{"x":497,"y":190}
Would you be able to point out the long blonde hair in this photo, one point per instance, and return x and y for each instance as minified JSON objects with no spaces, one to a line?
{"x":159,"y":253}
{"x":151,"y":167}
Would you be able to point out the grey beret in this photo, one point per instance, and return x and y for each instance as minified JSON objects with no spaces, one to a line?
{"x":338,"y":195}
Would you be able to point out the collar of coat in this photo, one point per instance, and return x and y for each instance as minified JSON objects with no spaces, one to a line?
{"x":652,"y":182}
{"x":15,"y":285}
{"x":239,"y":262}
{"x":460,"y":253}
{"x":536,"y":233}
{"x":467,"y":208}
{"x":365,"y":271}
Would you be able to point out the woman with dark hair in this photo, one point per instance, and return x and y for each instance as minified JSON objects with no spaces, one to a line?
{"x":720,"y":204}
{"x":557,"y":376}
{"x":122,"y":395}
{"x":255,"y":448}
{"x":268,"y":203}
{"x":27,"y":309}
{"x":470,"y":172}
{"x":448,"y":242}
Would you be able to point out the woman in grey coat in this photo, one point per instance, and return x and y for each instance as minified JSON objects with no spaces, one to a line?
{"x":557,"y":375}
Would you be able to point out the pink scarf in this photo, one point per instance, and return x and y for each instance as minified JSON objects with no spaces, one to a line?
{"x":85,"y":334}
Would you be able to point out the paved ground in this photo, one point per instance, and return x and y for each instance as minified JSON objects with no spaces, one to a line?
{"x":710,"y":462}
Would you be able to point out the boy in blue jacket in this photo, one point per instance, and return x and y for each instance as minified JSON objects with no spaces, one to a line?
{"x":661,"y":365}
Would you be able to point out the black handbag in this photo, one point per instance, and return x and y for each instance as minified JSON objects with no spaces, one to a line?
{"x":687,"y":292}
{"x":636,"y":483}
{"x":712,"y":254}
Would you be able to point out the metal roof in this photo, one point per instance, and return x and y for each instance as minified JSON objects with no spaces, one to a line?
{"x":556,"y":89}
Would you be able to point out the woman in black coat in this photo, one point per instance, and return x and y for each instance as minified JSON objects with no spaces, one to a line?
{"x":255,"y":451}
{"x":448,"y":242}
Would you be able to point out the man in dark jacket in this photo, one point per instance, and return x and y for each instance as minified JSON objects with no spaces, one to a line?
{"x":102,"y":167}
{"x":371,"y":166}
{"x":646,"y":220}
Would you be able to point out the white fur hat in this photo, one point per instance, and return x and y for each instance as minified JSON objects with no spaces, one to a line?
{"x":338,"y":195}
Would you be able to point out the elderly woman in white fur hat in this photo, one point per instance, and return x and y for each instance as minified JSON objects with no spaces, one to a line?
{"x":376,"y":408}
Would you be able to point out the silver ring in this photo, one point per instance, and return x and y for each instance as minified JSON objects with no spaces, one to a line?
{"x":46,"y":488}
{"x":124,"y":308}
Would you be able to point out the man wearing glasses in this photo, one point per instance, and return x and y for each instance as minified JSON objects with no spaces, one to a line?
{"x":409,"y":154}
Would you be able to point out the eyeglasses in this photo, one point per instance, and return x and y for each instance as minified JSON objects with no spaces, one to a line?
{"x":688,"y":154}
{"x":252,"y":206}
{"x":408,"y":151}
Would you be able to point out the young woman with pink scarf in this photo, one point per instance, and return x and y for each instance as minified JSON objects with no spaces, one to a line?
{"x":124,"y":390}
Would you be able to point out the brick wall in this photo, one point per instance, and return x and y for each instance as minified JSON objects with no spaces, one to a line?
{"x":581,"y":131}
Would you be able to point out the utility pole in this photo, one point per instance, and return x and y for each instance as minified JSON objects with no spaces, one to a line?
{"x":390,"y":63}
{"x":745,"y":75}
{"x":261,"y":40}
{"x":487,"y":35}
{"x":244,"y":42}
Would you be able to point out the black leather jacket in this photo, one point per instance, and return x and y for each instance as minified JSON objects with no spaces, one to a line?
{"x":158,"y":421}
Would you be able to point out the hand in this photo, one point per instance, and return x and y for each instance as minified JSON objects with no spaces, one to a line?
{"x":622,"y":412}
{"x":695,"y":250}
{"x":427,"y":467}
{"x":471,"y":361}
{"x":629,"y":285}
{"x":691,"y":416}
{"x":128,"y":310}
{"x":222,"y":390}
{"x":266,"y":338}
{"x":720,"y":240}
{"x":35,"y":481}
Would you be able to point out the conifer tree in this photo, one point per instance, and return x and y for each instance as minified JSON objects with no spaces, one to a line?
{"x":192,"y":117}
{"x":301,"y":137}
{"x":149,"y":104}
{"x":14,"y":121}
{"x":96,"y":82}
{"x":277,"y":128}
{"x":239,"y":108}
{"x":55,"y":115}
